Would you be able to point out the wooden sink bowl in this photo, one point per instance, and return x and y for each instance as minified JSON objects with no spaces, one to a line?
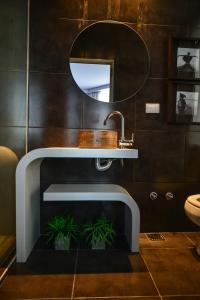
{"x":97,"y":138}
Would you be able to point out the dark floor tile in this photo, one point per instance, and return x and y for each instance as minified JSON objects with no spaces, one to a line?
{"x":46,"y":274}
{"x":175,"y":271}
{"x":36,"y":286}
{"x":42,"y":262}
{"x":135,"y":283}
{"x":108,"y":262}
{"x":172,"y":240}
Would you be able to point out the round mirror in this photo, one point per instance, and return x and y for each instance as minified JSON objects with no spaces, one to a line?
{"x":109,"y":61}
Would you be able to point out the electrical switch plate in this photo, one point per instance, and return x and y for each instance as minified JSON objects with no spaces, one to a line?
{"x":152,"y":108}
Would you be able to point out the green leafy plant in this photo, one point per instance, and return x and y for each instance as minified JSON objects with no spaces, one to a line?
{"x":61,"y":230}
{"x":101,"y":231}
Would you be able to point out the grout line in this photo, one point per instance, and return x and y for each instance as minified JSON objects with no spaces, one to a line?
{"x":167,"y":248}
{"x":27,"y":78}
{"x":184,"y":295}
{"x":75,"y":269}
{"x":116,"y":297}
{"x":6,"y":269}
{"x":185,"y":234}
{"x":45,"y":298}
{"x":151,"y":277}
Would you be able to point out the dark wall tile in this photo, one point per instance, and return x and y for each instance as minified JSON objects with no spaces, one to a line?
{"x":167,"y":154}
{"x":13,"y":138}
{"x":142,"y":170}
{"x":154,"y":91}
{"x":52,"y":137}
{"x":54,"y":101}
{"x":83,"y":212}
{"x":192,"y":170}
{"x":124,"y":10}
{"x":163,"y":12}
{"x":84,"y":171}
{"x":72,"y":9}
{"x":161,"y":156}
{"x":194,"y":31}
{"x":159,"y":214}
{"x":95,"y":112}
{"x":13,"y":34}
{"x":12,"y":98}
{"x":193,"y":13}
{"x":97,"y":10}
{"x":157,"y":39}
{"x":50,"y":43}
{"x":57,"y":104}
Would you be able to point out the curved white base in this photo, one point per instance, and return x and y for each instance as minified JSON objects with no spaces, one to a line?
{"x":28,"y":194}
{"x":101,"y":192}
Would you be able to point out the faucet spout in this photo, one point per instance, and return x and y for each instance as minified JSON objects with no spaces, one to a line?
{"x":117,"y":113}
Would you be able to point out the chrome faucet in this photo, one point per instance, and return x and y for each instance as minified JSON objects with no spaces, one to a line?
{"x":122,"y":142}
{"x":117,"y":113}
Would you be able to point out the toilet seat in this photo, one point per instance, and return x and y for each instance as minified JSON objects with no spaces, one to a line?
{"x":194,"y":200}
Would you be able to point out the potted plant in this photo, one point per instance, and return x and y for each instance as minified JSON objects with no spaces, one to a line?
{"x":61,"y":230}
{"x":99,"y":233}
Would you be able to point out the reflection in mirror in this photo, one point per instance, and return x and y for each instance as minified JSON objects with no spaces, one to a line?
{"x":94,"y":77}
{"x":109,"y":61}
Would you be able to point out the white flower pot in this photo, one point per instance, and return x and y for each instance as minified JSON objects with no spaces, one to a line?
{"x":62,"y":244}
{"x":99,"y":246}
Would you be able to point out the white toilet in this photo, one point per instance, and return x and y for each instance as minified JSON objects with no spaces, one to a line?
{"x":192,"y":209}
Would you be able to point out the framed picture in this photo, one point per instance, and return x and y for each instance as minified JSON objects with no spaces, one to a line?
{"x":184,"y":102}
{"x":184,"y":59}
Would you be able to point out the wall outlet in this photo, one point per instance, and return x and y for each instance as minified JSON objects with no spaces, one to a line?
{"x":152,"y":108}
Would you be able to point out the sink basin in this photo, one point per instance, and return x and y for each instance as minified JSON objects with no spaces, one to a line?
{"x":97,"y":138}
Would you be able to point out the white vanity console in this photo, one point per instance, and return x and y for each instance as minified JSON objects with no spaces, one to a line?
{"x":28,"y":194}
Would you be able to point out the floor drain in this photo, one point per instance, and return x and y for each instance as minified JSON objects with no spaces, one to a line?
{"x":155,"y":236}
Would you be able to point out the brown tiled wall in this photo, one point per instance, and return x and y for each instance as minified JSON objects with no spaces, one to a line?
{"x":168,"y":154}
{"x":13,"y":31}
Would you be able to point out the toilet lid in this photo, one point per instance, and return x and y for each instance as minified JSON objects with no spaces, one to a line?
{"x":194,"y":200}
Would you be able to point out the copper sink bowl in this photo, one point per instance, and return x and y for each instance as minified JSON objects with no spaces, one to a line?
{"x":97,"y":138}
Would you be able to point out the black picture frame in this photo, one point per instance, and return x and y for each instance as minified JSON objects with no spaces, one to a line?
{"x":184,"y":102}
{"x":184,"y":58}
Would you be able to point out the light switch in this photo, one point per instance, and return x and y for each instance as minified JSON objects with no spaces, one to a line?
{"x":152,"y":108}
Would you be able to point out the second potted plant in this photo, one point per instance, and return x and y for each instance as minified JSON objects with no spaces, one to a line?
{"x":61,"y":230}
{"x":99,"y":233}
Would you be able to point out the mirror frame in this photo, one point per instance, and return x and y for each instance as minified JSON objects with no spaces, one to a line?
{"x":142,"y":40}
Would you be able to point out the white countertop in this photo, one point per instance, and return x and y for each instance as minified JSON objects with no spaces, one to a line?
{"x":81,"y":153}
